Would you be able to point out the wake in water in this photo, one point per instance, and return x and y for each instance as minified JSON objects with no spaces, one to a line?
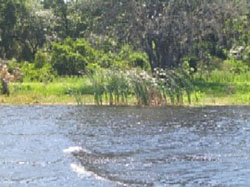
{"x":88,"y":167}
{"x":79,"y":168}
{"x":76,"y":149}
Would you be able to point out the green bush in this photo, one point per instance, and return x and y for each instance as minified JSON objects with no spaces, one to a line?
{"x":14,"y":68}
{"x":76,"y":57}
{"x":72,"y":56}
{"x":41,"y":58}
{"x":129,"y":58}
{"x":138,"y":59}
{"x":43,"y":74}
{"x":235,"y":66}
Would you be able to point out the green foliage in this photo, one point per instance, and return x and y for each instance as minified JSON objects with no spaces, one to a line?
{"x":204,"y":68}
{"x":125,"y":58}
{"x":41,"y":58}
{"x":12,"y":64}
{"x":9,"y":13}
{"x":138,"y":59}
{"x":190,"y":64}
{"x":143,"y":87}
{"x":93,"y":67}
{"x":220,"y":76}
{"x":111,"y":85}
{"x":235,"y":66}
{"x":26,"y":26}
{"x":107,"y":60}
{"x":75,"y":57}
{"x":71,"y":57}
{"x":174,"y":84}
{"x":104,"y":43}
{"x":43,"y":74}
{"x":97,"y":81}
{"x":167,"y":87}
{"x":240,"y":53}
{"x":128,"y":35}
{"x":14,"y":68}
{"x":240,"y":49}
{"x":130,"y":58}
{"x":117,"y":87}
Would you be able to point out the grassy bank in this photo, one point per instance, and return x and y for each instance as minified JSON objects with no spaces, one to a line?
{"x":60,"y":91}
{"x":222,"y":88}
{"x":219,"y":88}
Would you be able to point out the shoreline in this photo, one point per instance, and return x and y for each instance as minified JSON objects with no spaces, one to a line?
{"x":60,"y":93}
{"x":17,"y":101}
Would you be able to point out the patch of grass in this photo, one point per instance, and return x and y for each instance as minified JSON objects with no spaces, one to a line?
{"x":166,"y":87}
{"x":60,"y":91}
{"x":60,"y":86}
{"x":220,"y":88}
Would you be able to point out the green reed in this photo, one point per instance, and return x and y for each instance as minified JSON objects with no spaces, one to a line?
{"x":165,"y":87}
{"x":112,"y":86}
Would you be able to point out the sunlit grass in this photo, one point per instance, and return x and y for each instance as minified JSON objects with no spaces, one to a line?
{"x":217,"y":76}
{"x":165,"y":87}
{"x":60,"y":86}
{"x":60,"y":91}
{"x":220,"y":88}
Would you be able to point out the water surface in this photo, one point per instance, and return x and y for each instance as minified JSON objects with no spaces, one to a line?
{"x":124,"y":146}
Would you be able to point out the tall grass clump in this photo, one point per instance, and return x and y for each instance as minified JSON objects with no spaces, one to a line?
{"x":174,"y":85}
{"x":117,"y":87}
{"x":230,"y":71}
{"x":141,"y":84}
{"x":111,"y":86}
{"x":162,"y":87}
{"x":98,"y":83}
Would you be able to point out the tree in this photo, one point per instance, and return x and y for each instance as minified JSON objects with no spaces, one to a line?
{"x":168,"y":30}
{"x":35,"y":29}
{"x":24,"y":28}
{"x":9,"y":13}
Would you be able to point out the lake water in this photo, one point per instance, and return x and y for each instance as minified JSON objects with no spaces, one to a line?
{"x":124,"y":146}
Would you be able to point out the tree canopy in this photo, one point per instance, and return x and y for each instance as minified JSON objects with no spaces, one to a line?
{"x":167,"y":31}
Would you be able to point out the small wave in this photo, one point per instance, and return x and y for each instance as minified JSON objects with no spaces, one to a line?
{"x":80,"y":170}
{"x":200,"y":158}
{"x":76,"y":149}
{"x":85,"y":172}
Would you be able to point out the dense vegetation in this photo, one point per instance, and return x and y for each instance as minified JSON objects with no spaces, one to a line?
{"x":120,"y":51}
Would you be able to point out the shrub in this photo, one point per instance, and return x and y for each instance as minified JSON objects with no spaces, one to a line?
{"x":138,"y":59}
{"x":71,"y":57}
{"x":41,"y":58}
{"x":235,"y":66}
{"x":125,"y":58}
{"x":14,"y":68}
{"x":129,"y":58}
{"x":31,"y":73}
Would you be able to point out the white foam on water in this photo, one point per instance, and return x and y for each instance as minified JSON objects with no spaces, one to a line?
{"x":80,"y":170}
{"x":76,"y":149}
